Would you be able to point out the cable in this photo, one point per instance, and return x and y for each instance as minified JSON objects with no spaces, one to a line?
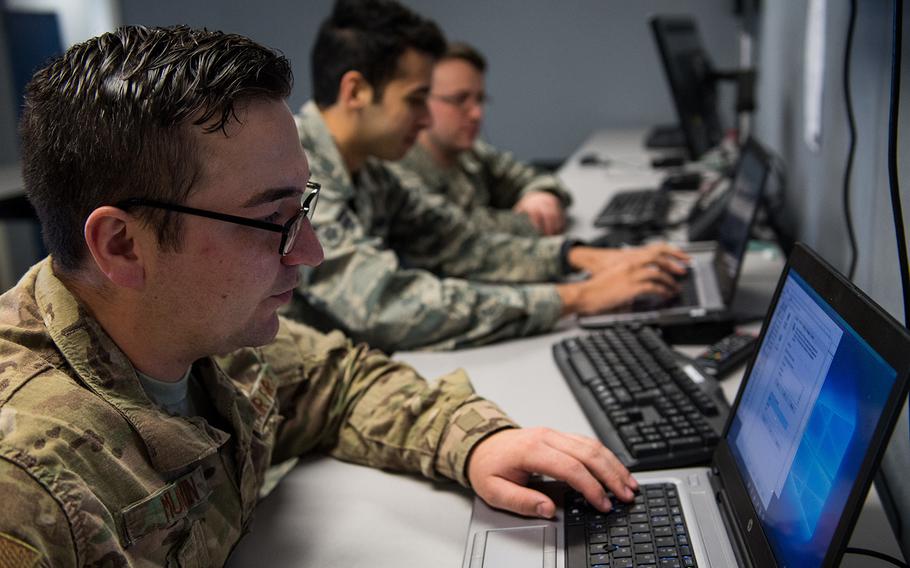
{"x":851,"y":122}
{"x":875,"y":553}
{"x":893,"y":116}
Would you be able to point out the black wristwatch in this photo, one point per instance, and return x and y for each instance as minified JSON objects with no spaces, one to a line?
{"x":564,"y":254}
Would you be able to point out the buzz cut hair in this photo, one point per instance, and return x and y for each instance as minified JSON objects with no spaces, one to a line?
{"x":113,"y":118}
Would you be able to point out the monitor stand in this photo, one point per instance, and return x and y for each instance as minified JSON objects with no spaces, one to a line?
{"x":665,"y":136}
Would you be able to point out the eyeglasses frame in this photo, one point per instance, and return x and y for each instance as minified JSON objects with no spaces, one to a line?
{"x":307,"y":206}
{"x":469,"y":99}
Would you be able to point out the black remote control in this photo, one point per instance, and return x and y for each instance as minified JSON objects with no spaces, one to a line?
{"x":725,"y":355}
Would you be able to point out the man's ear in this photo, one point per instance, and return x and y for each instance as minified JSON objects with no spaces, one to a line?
{"x":111,"y":236}
{"x":355,"y":91}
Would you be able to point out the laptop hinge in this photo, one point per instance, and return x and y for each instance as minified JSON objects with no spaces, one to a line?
{"x":743,"y":558}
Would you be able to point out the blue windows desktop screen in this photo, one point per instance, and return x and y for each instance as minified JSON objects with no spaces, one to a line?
{"x":808,"y":413}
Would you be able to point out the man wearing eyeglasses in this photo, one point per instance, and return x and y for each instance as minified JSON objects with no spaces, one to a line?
{"x":406,"y":269}
{"x":146,"y":383}
{"x":496,"y":191}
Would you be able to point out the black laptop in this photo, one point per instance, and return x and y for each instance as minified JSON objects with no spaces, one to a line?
{"x":807,"y":431}
{"x":709,"y":288}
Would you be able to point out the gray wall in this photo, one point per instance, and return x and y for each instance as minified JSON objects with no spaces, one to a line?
{"x":557,"y":69}
{"x":815,"y":179}
{"x":8,"y":146}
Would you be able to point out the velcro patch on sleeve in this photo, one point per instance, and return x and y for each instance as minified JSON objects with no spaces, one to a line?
{"x":16,"y":554}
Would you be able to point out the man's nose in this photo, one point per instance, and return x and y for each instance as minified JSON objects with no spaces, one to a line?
{"x":306,"y":250}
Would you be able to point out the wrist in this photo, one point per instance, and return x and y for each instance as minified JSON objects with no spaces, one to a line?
{"x":569,"y":296}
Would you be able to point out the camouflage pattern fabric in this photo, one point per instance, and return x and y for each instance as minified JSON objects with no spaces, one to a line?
{"x":485,"y":183}
{"x":93,"y":474}
{"x":407,"y":270}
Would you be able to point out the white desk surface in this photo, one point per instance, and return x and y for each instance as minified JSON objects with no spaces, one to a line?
{"x":328,"y":513}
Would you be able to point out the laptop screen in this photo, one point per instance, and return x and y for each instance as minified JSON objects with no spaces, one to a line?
{"x":736,"y":223}
{"x":805,"y":419}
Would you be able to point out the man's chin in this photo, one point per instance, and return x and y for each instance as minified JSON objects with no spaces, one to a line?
{"x":261,"y":333}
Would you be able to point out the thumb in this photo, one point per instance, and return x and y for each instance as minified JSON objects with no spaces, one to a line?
{"x":504,"y":494}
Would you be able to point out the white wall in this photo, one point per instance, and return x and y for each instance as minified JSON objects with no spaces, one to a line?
{"x":816,"y":179}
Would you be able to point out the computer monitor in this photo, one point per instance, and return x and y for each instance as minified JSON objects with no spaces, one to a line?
{"x":692,"y":80}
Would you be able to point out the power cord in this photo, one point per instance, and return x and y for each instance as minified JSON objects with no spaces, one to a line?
{"x":893,"y":116}
{"x":851,"y":122}
{"x":877,"y":554}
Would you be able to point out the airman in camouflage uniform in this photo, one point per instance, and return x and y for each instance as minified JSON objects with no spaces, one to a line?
{"x":497,"y":192}
{"x":406,"y":269}
{"x":165,"y":168}
{"x":393,"y":298}
{"x":93,"y":473}
{"x":485,"y":183}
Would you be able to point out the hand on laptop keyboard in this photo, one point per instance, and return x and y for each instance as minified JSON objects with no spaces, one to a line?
{"x":500,"y":466}
{"x":616,"y":288}
{"x":667,"y":257}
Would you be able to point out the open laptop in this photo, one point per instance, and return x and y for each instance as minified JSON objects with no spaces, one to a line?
{"x":787,"y":481}
{"x":709,"y":286}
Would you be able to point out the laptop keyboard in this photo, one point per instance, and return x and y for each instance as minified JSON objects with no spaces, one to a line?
{"x":688,"y":296}
{"x":637,"y":209}
{"x":640,"y":399}
{"x":649,"y":533}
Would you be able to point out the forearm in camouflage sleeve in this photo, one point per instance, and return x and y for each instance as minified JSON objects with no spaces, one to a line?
{"x":391,"y":308}
{"x":365,"y":408}
{"x":432,"y":233}
{"x":492,"y":220}
{"x":511,"y":179}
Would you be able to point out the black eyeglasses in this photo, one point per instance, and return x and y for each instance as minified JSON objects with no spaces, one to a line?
{"x":289,"y":230}
{"x":463,"y":100}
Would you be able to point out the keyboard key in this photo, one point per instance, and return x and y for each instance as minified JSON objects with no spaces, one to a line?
{"x":648,"y":449}
{"x":645,"y":559}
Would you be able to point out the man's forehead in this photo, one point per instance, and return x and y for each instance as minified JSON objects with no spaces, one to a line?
{"x":258,"y":149}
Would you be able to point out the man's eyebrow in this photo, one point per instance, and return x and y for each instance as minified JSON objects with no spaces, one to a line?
{"x":270,"y":195}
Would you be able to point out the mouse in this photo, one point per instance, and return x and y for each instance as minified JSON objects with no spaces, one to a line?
{"x":593,"y":160}
{"x":687,"y":180}
{"x":667,"y":162}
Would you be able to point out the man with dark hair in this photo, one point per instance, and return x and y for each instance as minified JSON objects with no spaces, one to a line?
{"x":496,"y":191}
{"x":405,"y":269}
{"x":146,"y":382}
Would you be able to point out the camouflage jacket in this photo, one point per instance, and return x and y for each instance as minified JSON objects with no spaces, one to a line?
{"x":405,"y":270}
{"x":485,"y":183}
{"x":93,"y":474}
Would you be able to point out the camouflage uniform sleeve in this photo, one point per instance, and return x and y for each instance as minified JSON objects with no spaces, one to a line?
{"x":509,"y":179}
{"x":415,"y":170}
{"x":430,"y":232}
{"x":363,"y":288}
{"x":33,"y":528}
{"x":491,"y":219}
{"x":362,"y":407}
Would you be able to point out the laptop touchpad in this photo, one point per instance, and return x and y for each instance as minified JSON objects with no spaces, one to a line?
{"x":520,"y":546}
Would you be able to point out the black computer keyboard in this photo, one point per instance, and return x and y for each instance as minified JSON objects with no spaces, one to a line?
{"x":641,"y":399}
{"x":649,"y":532}
{"x":639,"y":209}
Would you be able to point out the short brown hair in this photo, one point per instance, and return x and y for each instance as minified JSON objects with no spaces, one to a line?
{"x":466,"y":52}
{"x":109,"y":120}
